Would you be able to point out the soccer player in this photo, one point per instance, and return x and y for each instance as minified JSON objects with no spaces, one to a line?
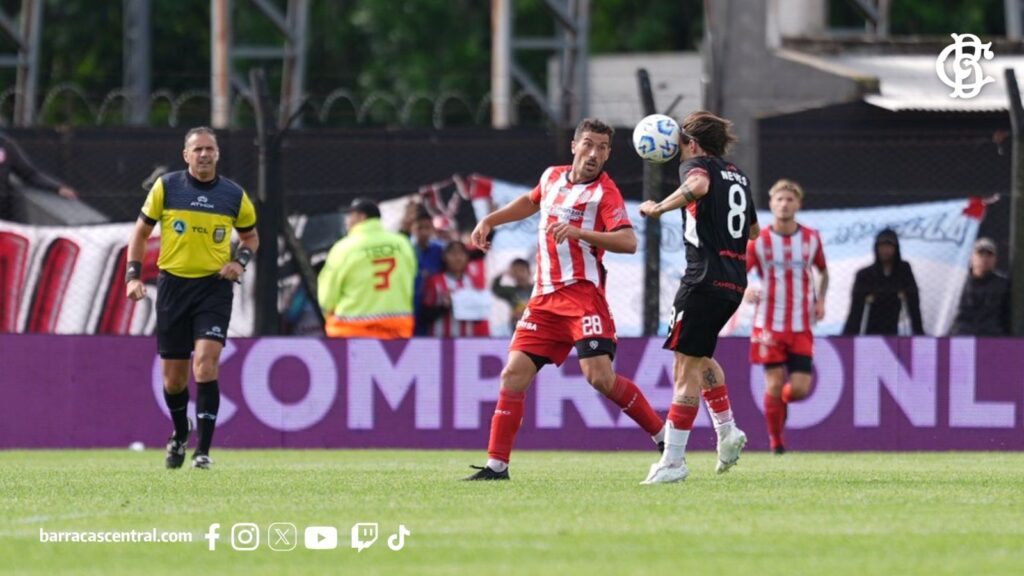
{"x":582,"y":215}
{"x":718,"y":219}
{"x":788,"y":305}
{"x":196,"y":210}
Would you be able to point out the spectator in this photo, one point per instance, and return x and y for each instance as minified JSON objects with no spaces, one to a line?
{"x":430,"y":257}
{"x":454,"y":302}
{"x":985,"y":302}
{"x":885,"y":295}
{"x":519,"y":292}
{"x":409,"y":214}
{"x":14,"y":161}
{"x":365,"y":288}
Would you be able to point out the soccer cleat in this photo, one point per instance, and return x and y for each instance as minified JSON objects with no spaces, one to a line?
{"x":201,"y":461}
{"x":485,"y":473}
{"x":779,"y":450}
{"x":176,"y":450}
{"x":730,"y":444}
{"x":665,"y":474}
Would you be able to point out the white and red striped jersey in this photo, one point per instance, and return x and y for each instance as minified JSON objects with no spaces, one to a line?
{"x":787,"y":291}
{"x":595,"y":205}
{"x":443,"y":283}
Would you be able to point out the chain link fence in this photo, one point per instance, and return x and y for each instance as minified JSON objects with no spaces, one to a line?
{"x":857,"y":156}
{"x":846,"y":157}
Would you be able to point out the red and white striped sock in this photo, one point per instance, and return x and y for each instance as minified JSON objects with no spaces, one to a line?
{"x":677,"y":433}
{"x":717,"y":399}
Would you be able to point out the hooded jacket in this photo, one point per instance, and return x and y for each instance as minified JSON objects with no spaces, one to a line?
{"x":884,"y":294}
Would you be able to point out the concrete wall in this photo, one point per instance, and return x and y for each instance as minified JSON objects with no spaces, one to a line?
{"x":756,"y":79}
{"x":614,"y":94}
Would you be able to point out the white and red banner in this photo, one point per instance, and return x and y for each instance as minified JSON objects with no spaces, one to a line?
{"x":935,"y":237}
{"x":70,"y":280}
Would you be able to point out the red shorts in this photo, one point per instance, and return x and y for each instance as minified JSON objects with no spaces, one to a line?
{"x":576,"y":315}
{"x":769,"y":347}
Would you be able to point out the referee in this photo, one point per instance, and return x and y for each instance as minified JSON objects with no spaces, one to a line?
{"x":196,"y":210}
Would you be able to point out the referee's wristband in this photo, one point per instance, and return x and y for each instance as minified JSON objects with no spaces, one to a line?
{"x":133,"y":271}
{"x":243,"y":256}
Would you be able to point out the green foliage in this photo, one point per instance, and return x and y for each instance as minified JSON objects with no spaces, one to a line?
{"x":403,"y":49}
{"x":929,"y":18}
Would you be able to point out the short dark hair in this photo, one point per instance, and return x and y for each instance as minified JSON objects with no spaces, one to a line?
{"x":713,"y":133}
{"x":422,"y":214}
{"x":200,"y":130}
{"x":521,"y":262}
{"x":455,"y":244}
{"x":364,"y":206}
{"x":593,"y":125}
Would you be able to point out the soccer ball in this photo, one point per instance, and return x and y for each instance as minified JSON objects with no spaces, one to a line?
{"x":656,"y":138}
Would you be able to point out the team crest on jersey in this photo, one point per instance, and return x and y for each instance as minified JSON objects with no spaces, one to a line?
{"x":585,"y":196}
{"x":179,"y":226}
{"x":219,"y":233}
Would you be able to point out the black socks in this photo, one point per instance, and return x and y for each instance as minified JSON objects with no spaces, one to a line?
{"x":178,"y":406}
{"x":207,"y":405}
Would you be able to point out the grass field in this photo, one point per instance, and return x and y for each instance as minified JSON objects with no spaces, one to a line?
{"x":563,"y":513}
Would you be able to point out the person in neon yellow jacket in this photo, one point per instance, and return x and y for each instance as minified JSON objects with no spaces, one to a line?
{"x":365,"y":289}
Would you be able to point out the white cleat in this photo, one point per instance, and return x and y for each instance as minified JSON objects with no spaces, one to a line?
{"x":666,"y":474}
{"x":730,"y":444}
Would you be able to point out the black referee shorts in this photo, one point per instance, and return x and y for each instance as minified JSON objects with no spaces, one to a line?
{"x":189,"y":309}
{"x":697,"y":318}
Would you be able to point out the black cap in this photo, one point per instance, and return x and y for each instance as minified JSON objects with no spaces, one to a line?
{"x":364,"y":206}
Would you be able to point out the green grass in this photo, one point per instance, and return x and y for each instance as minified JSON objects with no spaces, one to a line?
{"x":563,"y":513}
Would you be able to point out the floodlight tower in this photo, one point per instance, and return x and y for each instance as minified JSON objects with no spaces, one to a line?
{"x":570,"y":42}
{"x":293,"y":24}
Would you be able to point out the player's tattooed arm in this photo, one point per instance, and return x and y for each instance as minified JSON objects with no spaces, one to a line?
{"x":692,"y":189}
{"x":755,"y":230}
{"x":688,"y":194}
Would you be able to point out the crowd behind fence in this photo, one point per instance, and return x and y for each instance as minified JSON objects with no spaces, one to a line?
{"x":323,"y":169}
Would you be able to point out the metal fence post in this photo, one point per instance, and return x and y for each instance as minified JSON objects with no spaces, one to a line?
{"x":1016,"y":203}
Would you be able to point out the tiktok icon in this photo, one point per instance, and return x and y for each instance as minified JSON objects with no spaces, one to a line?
{"x":397,"y":541}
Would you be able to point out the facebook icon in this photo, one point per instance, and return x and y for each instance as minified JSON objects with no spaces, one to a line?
{"x":213,"y":534}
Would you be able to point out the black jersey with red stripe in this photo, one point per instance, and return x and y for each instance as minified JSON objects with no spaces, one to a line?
{"x":716,"y":228}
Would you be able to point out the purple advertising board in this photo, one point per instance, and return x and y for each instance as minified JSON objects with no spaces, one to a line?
{"x":870,"y":393}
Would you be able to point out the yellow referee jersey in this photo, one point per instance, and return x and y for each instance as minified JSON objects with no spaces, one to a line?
{"x":195,"y":221}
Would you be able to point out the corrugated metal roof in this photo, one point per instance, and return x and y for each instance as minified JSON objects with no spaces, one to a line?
{"x":910,"y":82}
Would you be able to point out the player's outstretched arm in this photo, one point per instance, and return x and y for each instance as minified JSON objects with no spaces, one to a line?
{"x":693,"y":189}
{"x":134,"y":287}
{"x":518,"y":209}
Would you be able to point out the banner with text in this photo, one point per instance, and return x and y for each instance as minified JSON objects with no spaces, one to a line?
{"x":870,"y":393}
